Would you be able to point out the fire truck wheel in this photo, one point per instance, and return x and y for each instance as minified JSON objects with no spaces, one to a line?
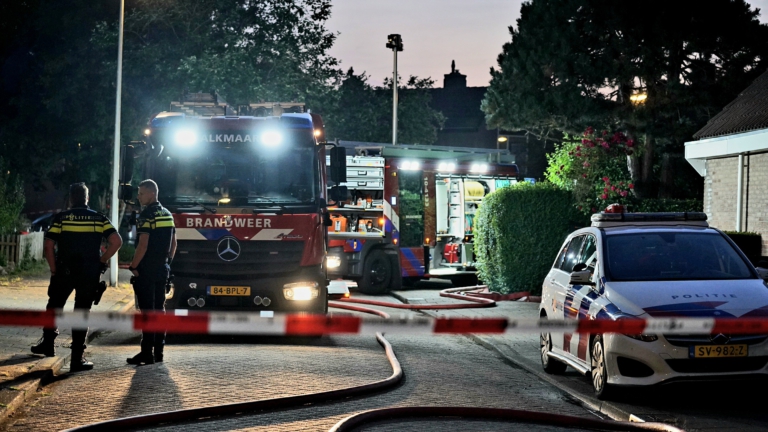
{"x":464,"y":280}
{"x":377,"y":273}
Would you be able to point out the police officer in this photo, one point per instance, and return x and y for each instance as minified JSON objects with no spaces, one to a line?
{"x":78,"y":233}
{"x":151,"y":266}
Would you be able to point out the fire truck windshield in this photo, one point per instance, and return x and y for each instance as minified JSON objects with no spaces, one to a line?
{"x":239,"y":176}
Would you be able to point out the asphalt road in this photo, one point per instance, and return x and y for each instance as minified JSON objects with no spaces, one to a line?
{"x":701,"y":406}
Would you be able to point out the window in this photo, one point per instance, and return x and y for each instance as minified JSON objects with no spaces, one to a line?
{"x":668,"y":255}
{"x":572,"y":255}
{"x":561,"y":256}
{"x":588,"y":253}
{"x":411,"y":205}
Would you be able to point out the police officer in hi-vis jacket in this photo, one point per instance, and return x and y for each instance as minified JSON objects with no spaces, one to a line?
{"x":73,"y":251}
{"x":151,"y":266}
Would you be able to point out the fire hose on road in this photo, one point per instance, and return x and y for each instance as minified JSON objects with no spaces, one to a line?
{"x":470,"y":294}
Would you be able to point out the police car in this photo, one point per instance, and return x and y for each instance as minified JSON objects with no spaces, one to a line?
{"x":643,"y":265}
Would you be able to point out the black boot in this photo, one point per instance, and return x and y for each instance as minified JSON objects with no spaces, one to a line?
{"x":158,"y":355}
{"x":79,"y":363}
{"x":144,"y":357}
{"x":44,"y":347}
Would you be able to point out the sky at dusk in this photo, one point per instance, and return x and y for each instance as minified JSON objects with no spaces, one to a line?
{"x":434,"y":32}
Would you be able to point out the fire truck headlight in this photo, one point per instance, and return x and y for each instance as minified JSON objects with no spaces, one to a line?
{"x":479,"y":168}
{"x":301,"y":291}
{"x":333,"y":262}
{"x":410,"y":166}
{"x":185,"y":138}
{"x":271,"y":138}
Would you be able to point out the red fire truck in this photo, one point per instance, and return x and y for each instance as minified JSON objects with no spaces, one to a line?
{"x":410,"y":213}
{"x":248,"y":196}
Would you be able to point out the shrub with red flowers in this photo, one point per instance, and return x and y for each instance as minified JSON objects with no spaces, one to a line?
{"x":594,"y":167}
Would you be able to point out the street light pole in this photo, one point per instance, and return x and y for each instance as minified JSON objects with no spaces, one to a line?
{"x":395,"y":43}
{"x":115,"y":204}
{"x":394,"y":100}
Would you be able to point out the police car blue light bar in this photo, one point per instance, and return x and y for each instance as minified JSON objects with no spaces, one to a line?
{"x":649,"y":217}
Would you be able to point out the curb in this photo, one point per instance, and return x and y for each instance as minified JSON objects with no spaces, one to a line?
{"x":590,"y":402}
{"x":47,"y":367}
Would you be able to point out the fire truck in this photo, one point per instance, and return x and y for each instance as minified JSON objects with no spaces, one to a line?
{"x":247,"y":192}
{"x":409,"y":213}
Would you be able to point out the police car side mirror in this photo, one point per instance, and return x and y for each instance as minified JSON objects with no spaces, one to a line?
{"x":583,"y":277}
{"x":579,"y":267}
{"x":762,"y":273}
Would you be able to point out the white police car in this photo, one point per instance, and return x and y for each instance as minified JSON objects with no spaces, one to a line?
{"x":642,"y":265}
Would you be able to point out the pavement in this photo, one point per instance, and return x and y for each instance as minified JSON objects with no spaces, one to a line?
{"x":22,"y":373}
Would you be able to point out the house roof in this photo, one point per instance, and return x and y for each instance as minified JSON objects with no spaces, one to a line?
{"x":748,"y":112}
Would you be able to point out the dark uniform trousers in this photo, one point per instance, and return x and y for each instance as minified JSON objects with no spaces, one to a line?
{"x":149,"y":287}
{"x":85,"y":286}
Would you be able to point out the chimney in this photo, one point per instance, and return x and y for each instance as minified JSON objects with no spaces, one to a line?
{"x":454,"y":80}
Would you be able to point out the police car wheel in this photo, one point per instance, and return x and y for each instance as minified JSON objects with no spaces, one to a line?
{"x":550,"y":365}
{"x":599,"y":373}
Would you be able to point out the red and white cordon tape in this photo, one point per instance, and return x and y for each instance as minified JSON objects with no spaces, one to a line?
{"x":192,"y":322}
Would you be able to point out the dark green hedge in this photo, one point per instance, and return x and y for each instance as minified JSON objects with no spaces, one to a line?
{"x":518,"y":233}
{"x":751,"y":243}
{"x":666,"y":205}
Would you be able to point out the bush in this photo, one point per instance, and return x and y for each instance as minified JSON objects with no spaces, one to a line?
{"x":11,"y":199}
{"x":518,"y":232}
{"x":666,"y":205}
{"x":751,"y":243}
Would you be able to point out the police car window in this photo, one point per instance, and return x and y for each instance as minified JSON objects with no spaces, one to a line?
{"x":561,"y":256}
{"x":588,"y":253}
{"x":661,"y":256}
{"x":572,"y":255}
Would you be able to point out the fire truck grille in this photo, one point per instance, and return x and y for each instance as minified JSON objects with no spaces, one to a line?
{"x":257,"y":259}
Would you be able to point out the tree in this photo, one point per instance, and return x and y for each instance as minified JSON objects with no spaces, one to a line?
{"x":358,"y":111}
{"x":592,"y":167}
{"x":11,"y":199}
{"x":46,"y":52}
{"x":59,"y":118}
{"x":654,"y":70}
